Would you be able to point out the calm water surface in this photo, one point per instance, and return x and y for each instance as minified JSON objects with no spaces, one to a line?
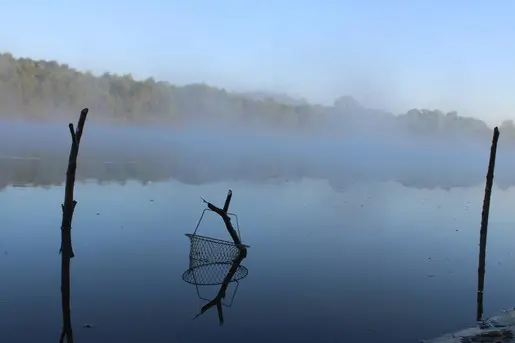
{"x":378,"y":262}
{"x":339,"y":252}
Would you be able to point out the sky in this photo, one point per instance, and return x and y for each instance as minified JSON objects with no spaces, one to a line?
{"x":390,"y":54}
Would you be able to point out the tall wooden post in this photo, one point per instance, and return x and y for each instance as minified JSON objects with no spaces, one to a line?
{"x":484,"y":225}
{"x":66,"y":225}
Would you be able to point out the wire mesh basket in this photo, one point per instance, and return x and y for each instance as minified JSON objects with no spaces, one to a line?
{"x":211,"y":260}
{"x":208,"y":250}
{"x":214,"y":261}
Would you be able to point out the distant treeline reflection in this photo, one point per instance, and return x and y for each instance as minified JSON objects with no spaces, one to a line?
{"x":39,"y":164}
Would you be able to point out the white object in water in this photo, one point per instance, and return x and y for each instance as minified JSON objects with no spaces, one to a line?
{"x":500,"y":328}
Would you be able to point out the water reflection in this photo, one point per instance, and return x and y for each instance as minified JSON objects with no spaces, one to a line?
{"x":497,"y":329}
{"x":204,"y":275}
{"x":375,"y":260}
{"x":135,"y":255}
{"x":214,"y":262}
{"x":118,"y":156}
{"x":67,"y":329}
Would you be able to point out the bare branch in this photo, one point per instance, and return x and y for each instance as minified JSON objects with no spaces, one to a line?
{"x":68,"y":208}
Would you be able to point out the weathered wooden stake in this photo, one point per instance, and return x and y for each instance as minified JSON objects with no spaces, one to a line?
{"x":217,"y":300}
{"x":227,"y":220}
{"x":484,"y":225}
{"x":66,"y":225}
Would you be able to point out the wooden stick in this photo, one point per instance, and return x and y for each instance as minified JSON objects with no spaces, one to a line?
{"x":227,"y":201}
{"x":66,"y":225}
{"x":484,"y":225}
{"x":69,"y":203}
{"x":217,"y":300}
{"x":227,"y":220}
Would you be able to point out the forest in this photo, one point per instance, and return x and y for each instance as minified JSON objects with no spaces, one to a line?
{"x":48,"y":90}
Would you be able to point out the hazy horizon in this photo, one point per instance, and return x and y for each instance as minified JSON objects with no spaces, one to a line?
{"x":203,"y":155}
{"x":393,"y":56}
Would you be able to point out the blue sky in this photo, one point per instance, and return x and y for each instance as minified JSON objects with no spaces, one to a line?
{"x":393,"y":54}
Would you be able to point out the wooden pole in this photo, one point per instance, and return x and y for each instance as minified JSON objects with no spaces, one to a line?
{"x":66,"y":225}
{"x":484,"y":225}
{"x":217,"y":300}
{"x":227,"y":220}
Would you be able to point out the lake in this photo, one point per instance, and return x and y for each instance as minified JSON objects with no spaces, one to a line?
{"x":380,"y":256}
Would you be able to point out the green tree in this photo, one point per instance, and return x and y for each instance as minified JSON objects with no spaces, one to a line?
{"x":47,"y":89}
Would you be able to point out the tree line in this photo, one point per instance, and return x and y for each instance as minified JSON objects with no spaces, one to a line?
{"x":47,"y":89}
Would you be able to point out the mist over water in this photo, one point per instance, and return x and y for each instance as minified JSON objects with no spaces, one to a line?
{"x":201,"y":155}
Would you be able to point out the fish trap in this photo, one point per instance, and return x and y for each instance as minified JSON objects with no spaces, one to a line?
{"x":214,"y":262}
{"x":211,"y":259}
